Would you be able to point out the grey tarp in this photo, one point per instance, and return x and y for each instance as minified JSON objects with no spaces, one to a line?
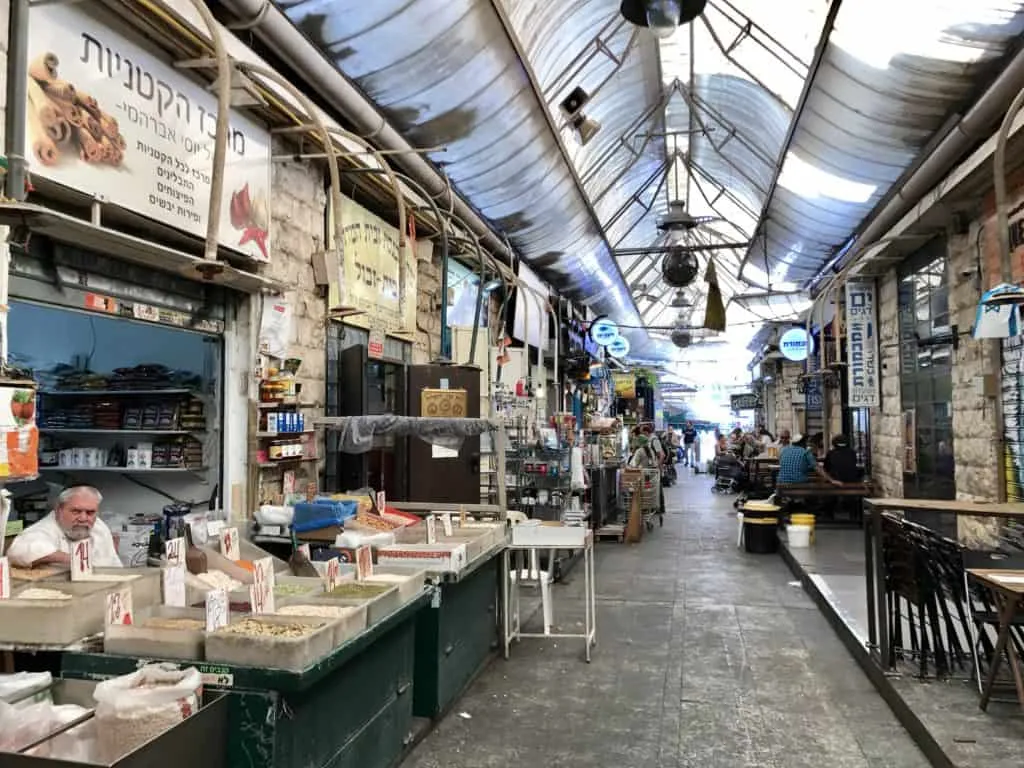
{"x":357,"y":434}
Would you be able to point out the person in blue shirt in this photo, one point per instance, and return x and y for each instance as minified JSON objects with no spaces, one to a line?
{"x":797,"y":463}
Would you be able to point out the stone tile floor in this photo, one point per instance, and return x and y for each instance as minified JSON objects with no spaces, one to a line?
{"x":707,"y":657}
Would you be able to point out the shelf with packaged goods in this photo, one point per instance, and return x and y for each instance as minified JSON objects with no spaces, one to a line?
{"x":272,"y":435}
{"x":176,"y":392}
{"x":122,"y":470}
{"x":88,"y":431}
{"x":283,"y":404}
{"x":286,"y":460}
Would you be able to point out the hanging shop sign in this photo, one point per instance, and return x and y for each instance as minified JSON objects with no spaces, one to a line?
{"x":618,"y":347}
{"x":864,"y":390}
{"x":108,"y":118}
{"x":746,"y":401}
{"x":377,"y":282}
{"x":796,"y":345}
{"x":625,"y":385}
{"x":604,"y":331}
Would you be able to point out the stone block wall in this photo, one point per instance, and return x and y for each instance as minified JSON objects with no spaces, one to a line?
{"x":977,"y":441}
{"x":787,"y":415}
{"x":886,"y":421}
{"x":427,"y":344}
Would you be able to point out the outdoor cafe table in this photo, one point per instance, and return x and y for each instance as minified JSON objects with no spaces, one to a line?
{"x":1008,"y":588}
{"x":874,"y":564}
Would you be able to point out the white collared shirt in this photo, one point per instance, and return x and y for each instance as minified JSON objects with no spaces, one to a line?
{"x":46,"y":537}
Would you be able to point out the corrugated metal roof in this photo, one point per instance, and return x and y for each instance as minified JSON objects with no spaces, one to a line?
{"x":892,"y":74}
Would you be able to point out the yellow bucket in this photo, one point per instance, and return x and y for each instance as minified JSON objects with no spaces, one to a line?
{"x":803,"y":519}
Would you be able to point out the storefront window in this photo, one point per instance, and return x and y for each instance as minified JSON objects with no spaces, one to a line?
{"x":926,"y":347}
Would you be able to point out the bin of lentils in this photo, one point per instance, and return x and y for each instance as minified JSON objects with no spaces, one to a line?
{"x":134,"y":709}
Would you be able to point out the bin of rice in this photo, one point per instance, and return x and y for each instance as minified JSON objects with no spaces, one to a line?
{"x":131,"y":710}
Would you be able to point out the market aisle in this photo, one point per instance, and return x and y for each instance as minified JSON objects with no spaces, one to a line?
{"x":707,"y":657}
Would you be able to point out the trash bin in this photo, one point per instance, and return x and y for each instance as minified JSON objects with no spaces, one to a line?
{"x":760,"y":528}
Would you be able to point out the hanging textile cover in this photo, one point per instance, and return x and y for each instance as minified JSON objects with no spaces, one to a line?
{"x":998,"y":320}
{"x":359,"y":434}
{"x":714,"y":314}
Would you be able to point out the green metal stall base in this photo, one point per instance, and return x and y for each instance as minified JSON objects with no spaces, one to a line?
{"x":456,"y":636}
{"x":353,"y":709}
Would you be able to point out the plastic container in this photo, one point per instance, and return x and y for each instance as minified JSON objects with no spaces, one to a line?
{"x":156,"y":642}
{"x":377,"y":607}
{"x":760,"y":534}
{"x":344,"y":628}
{"x":54,"y":622}
{"x":411,"y":584}
{"x":802,"y":518}
{"x":798,"y":536}
{"x":292,"y":654}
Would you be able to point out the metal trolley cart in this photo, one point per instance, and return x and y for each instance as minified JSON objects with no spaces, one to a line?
{"x":646,"y":482}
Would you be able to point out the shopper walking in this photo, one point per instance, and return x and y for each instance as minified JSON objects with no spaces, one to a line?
{"x":689,"y":439}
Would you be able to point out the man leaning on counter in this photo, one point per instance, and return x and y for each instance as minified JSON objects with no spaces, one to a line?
{"x":74,"y":518}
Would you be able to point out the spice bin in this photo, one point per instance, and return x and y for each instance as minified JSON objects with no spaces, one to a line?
{"x":160,"y":633}
{"x":345,"y":626}
{"x":232,"y":645}
{"x":408,"y":581}
{"x":381,"y":600}
{"x":50,"y":621}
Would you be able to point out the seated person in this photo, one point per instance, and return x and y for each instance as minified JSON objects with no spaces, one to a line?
{"x":797,"y":463}
{"x":75,"y":517}
{"x":841,"y":461}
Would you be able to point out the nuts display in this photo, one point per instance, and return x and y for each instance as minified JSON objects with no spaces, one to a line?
{"x":291,"y":590}
{"x":191,"y":625}
{"x":256,"y":628}
{"x":359,"y":590}
{"x":219,"y":580}
{"x":33,"y":574}
{"x":321,"y":611}
{"x":38,"y":593}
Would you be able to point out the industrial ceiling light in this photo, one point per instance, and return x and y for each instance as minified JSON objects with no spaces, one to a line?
{"x":662,"y":17}
{"x":586,"y":128}
{"x":681,"y":300}
{"x":572,"y":107}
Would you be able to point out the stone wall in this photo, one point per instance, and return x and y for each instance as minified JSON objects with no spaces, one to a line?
{"x":788,"y":416}
{"x":886,"y":421}
{"x":977,"y":442}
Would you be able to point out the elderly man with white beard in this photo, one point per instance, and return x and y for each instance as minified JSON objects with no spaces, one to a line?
{"x":74,"y":518}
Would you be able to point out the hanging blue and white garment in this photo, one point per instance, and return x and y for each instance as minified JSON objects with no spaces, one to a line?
{"x":998,"y":319}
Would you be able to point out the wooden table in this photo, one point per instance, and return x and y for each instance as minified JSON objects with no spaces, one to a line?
{"x":874,"y":566}
{"x":1008,"y":588}
{"x":815,"y":488}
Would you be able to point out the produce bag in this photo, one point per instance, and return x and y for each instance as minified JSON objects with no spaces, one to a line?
{"x":21,"y":726}
{"x":322,"y":513}
{"x":134,"y":709}
{"x":16,"y":687}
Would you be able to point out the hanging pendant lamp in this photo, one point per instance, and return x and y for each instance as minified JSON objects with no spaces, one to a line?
{"x":662,"y":17}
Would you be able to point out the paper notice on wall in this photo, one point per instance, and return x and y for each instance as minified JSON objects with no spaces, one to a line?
{"x":275,"y":326}
{"x":440,"y":452}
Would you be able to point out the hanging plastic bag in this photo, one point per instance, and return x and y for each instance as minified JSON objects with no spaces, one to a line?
{"x":21,"y":726}
{"x":134,"y":709}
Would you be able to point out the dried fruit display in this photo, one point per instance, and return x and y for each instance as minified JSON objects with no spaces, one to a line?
{"x":256,"y":628}
{"x":63,"y":119}
{"x":38,"y":593}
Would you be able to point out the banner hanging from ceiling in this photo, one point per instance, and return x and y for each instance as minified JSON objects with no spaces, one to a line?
{"x":377,"y":282}
{"x":862,"y":345}
{"x":107,"y":117}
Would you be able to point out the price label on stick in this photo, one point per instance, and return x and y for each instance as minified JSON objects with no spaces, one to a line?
{"x":364,"y":562}
{"x":333,"y":573}
{"x":462,"y":517}
{"x":81,"y":560}
{"x":213,"y":528}
{"x":382,"y":502}
{"x":174,"y":586}
{"x":304,"y":551}
{"x":119,"y":607}
{"x":431,"y":523}
{"x":229,"y":544}
{"x":5,"y":578}
{"x":261,"y":592}
{"x":446,"y":524}
{"x":217,"y":609}
{"x":175,"y":551}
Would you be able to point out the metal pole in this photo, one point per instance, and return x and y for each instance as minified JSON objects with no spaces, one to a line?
{"x":17,"y":98}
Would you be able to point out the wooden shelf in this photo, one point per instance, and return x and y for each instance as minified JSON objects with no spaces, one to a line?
{"x":123,"y":470}
{"x":115,"y":392}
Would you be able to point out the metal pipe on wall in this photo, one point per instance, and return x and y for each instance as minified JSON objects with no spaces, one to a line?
{"x":17,"y":99}
{"x":268,"y":23}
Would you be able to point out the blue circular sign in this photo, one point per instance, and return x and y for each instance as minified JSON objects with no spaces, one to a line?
{"x":604,"y":331}
{"x":619,"y":347}
{"x":796,"y":345}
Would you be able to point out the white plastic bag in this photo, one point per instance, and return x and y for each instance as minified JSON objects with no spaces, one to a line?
{"x":21,"y":726}
{"x":133,"y":709}
{"x":22,"y":684}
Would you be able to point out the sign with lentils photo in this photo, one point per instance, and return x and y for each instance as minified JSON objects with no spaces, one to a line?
{"x":862,"y":345}
{"x":110,"y":119}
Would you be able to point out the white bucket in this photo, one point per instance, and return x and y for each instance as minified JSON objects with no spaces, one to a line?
{"x":798,"y":535}
{"x":739,"y":535}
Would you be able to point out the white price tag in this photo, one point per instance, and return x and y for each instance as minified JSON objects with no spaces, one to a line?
{"x":81,"y":560}
{"x":5,"y":578}
{"x":174,"y":586}
{"x":217,"y":609}
{"x":263,"y":572}
{"x":175,"y":550}
{"x":119,"y":607}
{"x":431,"y":523}
{"x":304,"y":550}
{"x":364,"y":562}
{"x":333,"y":573}
{"x":382,"y":502}
{"x":462,"y":517}
{"x":229,"y":544}
{"x":213,"y":528}
{"x":261,"y":593}
{"x":446,"y":524}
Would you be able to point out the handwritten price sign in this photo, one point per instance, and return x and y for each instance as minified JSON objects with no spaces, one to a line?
{"x":333,"y":573}
{"x":382,"y":502}
{"x":304,"y":551}
{"x":229,"y":544}
{"x":119,"y":607}
{"x":463,"y":519}
{"x":5,"y":578}
{"x":175,"y":551}
{"x":364,"y":562}
{"x":217,"y":610}
{"x":431,"y":523}
{"x":81,"y":560}
{"x":174,"y":586}
{"x":261,"y":593}
{"x":446,"y":524}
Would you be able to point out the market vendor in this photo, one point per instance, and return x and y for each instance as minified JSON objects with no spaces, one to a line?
{"x":74,"y":518}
